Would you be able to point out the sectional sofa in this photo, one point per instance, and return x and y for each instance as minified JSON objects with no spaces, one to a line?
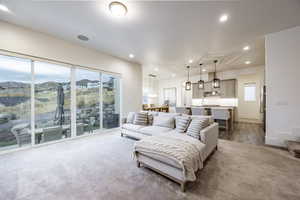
{"x":160,"y":162}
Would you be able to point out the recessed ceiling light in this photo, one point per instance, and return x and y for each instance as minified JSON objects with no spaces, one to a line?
{"x":247,"y":62}
{"x":190,"y":61}
{"x":246,"y":48}
{"x":156,"y":69}
{"x":204,"y":70}
{"x":4,"y":8}
{"x":83,"y":38}
{"x":223,"y":18}
{"x":131,"y":55}
{"x":118,"y":9}
{"x":173,"y":75}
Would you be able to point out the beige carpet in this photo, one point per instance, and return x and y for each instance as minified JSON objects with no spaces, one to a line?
{"x":102,"y":167}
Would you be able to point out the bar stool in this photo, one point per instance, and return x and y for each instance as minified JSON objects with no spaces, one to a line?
{"x":222,"y":115}
{"x":198,"y":111}
{"x":181,"y":110}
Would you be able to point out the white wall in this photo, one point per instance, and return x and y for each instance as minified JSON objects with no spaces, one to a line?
{"x":282,"y":80}
{"x":249,"y":111}
{"x":18,"y":39}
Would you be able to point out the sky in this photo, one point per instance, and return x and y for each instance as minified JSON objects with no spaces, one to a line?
{"x":19,"y":70}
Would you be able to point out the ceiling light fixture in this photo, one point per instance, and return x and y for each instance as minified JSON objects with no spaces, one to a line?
{"x":117,"y":9}
{"x":4,"y":8}
{"x":246,"y":48}
{"x":83,"y":38}
{"x":190,"y":61}
{"x":201,"y":82}
{"x":131,"y":55}
{"x":204,"y":70}
{"x":223,"y":18}
{"x":156,"y":69}
{"x":188,"y":84}
{"x":248,"y":62}
{"x":216,"y":81}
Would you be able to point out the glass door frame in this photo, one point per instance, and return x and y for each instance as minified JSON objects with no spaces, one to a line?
{"x":73,"y":106}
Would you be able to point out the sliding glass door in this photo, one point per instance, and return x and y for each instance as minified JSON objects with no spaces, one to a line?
{"x":15,"y":84}
{"x":52,"y":102}
{"x":87,"y":101}
{"x":111,"y":101}
{"x":36,"y":99}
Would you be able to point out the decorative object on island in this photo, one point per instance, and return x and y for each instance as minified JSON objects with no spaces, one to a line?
{"x":200,"y":82}
{"x":188,"y":84}
{"x":216,"y":81}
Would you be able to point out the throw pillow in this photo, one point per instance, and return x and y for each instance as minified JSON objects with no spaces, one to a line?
{"x":130,"y":117}
{"x":141,"y":119}
{"x":151,"y":114}
{"x":182,"y":123}
{"x":196,"y":125}
{"x":209,"y":117}
{"x":164,"y":121}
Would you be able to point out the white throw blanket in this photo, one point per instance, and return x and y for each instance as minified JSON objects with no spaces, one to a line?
{"x":183,"y":149}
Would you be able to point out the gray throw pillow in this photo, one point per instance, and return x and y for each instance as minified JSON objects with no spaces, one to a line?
{"x":141,"y":119}
{"x":164,"y":121}
{"x":182,"y":123}
{"x":130,"y":117}
{"x":196,"y":125}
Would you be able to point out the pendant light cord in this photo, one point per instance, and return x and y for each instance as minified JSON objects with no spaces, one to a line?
{"x":200,"y":71}
{"x":215,"y":68}
{"x":188,"y":73}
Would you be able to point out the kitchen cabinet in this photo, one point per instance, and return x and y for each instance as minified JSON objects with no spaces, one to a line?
{"x":227,"y":88}
{"x":208,"y":86}
{"x":196,"y":92}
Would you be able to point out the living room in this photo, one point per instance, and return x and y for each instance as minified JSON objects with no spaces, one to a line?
{"x":118,"y":99}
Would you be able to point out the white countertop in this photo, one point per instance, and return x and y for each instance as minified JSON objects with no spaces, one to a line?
{"x":217,"y":107}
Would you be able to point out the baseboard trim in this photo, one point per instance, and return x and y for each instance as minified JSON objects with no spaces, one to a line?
{"x":276,"y":147}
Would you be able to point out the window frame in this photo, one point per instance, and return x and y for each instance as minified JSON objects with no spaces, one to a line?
{"x":73,"y":107}
{"x":175,"y":94}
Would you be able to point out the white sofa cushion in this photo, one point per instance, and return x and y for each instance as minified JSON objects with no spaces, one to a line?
{"x":169,"y":114}
{"x":182,"y":123}
{"x":132,"y":127}
{"x":196,"y":125}
{"x":154,"y":113}
{"x":164,"y":121}
{"x":154,"y":130}
{"x":130,"y":117}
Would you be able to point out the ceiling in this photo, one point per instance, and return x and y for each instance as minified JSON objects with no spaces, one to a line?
{"x":163,"y":34}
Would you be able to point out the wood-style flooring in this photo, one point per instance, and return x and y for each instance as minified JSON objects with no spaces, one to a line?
{"x":248,"y":133}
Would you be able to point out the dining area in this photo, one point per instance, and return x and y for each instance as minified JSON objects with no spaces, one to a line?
{"x":156,"y":108}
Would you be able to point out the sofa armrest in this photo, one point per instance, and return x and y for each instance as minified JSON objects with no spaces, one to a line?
{"x":209,"y":136}
{"x":210,"y":133}
{"x":124,"y":120}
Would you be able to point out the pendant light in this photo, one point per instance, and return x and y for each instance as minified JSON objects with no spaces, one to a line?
{"x":216,"y":81}
{"x":188,"y":84}
{"x":201,"y":82}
